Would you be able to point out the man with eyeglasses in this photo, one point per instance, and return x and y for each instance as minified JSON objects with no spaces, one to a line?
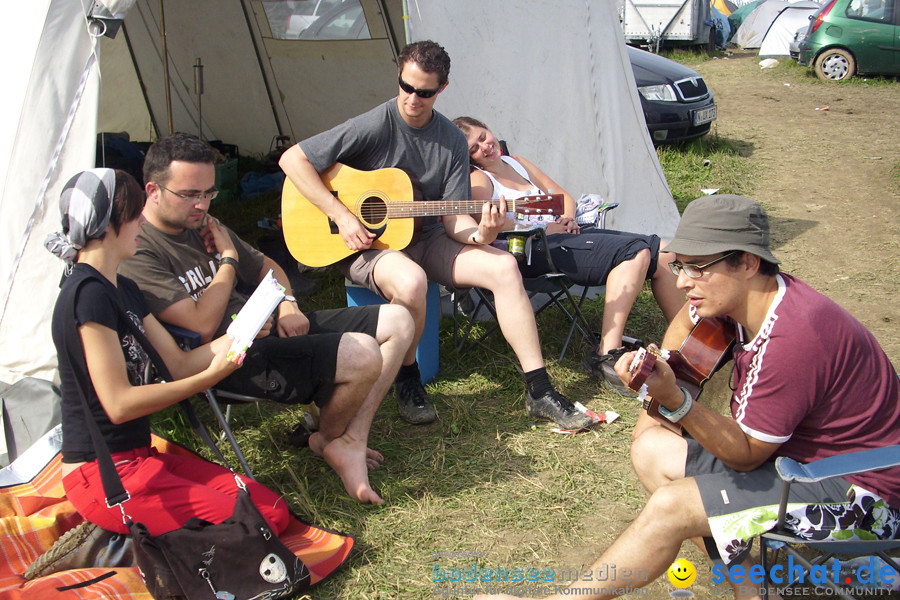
{"x":809,"y":382}
{"x":196,"y":273}
{"x":407,"y":132}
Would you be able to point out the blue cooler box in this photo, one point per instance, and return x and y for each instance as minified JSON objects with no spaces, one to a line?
{"x":429,"y":346}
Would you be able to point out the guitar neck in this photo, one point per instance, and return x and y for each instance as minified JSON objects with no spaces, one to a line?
{"x":436,"y":208}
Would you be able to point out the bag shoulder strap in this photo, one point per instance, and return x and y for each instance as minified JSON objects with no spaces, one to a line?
{"x":112,"y":483}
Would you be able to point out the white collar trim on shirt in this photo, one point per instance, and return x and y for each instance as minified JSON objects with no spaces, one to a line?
{"x":770,"y":319}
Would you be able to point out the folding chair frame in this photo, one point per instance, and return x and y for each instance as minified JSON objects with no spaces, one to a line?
{"x":555,"y":284}
{"x":841,"y":465}
{"x":188,"y":339}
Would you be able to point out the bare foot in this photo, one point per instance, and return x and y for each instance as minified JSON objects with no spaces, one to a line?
{"x":351,"y":461}
{"x":373,"y":457}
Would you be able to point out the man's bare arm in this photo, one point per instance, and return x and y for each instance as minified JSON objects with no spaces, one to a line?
{"x":304,"y":176}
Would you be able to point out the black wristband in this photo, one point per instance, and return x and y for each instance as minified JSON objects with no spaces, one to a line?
{"x":227,"y":260}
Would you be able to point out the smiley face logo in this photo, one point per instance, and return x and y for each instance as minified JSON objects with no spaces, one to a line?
{"x":682,"y":573}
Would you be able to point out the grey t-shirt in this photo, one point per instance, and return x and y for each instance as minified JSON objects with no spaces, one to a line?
{"x":171,"y":267}
{"x":437,"y":154}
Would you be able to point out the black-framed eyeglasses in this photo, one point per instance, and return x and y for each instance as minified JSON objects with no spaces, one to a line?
{"x":695,"y":271}
{"x":195,"y":197}
{"x":420,"y":93}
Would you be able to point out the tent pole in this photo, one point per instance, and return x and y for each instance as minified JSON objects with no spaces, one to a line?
{"x":165,"y":53}
{"x":143,"y":85}
{"x":252,"y":29}
{"x":406,"y":20}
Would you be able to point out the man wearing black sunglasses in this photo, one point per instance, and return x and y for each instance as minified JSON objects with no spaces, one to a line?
{"x":407,"y":132}
{"x":809,"y":382}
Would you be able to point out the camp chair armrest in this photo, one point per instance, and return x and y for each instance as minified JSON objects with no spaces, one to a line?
{"x":185,"y":338}
{"x":838,"y":466}
{"x":536,"y":229}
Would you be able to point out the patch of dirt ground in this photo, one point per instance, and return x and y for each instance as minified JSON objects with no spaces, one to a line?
{"x":825,"y":178}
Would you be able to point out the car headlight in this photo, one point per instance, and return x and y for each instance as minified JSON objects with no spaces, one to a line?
{"x":658,"y":93}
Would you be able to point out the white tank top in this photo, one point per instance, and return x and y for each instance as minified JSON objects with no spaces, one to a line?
{"x":512,"y":194}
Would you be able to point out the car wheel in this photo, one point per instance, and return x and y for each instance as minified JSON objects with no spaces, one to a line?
{"x":835,"y":65}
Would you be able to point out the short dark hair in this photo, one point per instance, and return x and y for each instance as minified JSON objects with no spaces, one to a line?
{"x":767,"y":268}
{"x":467,"y":124}
{"x":178,"y":146}
{"x":128,"y":201}
{"x":431,"y":58}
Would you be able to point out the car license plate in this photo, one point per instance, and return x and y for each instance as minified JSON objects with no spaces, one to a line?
{"x":705,"y":115}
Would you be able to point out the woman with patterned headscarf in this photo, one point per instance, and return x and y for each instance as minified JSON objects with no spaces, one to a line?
{"x":101,"y":219}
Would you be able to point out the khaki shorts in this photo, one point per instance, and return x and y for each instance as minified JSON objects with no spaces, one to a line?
{"x":435,"y":252}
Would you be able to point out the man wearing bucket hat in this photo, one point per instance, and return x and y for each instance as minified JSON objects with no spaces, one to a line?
{"x":809,"y":382}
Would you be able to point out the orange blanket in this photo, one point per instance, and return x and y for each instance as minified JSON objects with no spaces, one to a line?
{"x":35,"y":513}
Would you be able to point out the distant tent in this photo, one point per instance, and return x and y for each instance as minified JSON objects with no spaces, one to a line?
{"x":752,"y":31}
{"x":726,"y":7}
{"x":737,"y":16}
{"x":781,"y":32}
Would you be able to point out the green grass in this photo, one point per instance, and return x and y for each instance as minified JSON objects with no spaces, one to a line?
{"x":710,"y":162}
{"x":484,"y":478}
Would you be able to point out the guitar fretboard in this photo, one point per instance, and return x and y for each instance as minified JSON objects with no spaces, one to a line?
{"x":433,"y":208}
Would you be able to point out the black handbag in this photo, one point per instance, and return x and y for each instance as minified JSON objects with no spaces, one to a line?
{"x":239,"y":559}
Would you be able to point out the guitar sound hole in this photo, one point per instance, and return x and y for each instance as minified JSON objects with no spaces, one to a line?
{"x":373,"y":210}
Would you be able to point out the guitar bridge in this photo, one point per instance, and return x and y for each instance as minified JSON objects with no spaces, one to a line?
{"x":333,"y":226}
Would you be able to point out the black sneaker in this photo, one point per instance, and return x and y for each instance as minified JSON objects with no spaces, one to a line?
{"x":555,"y":407}
{"x":601,"y":366}
{"x":413,"y":402}
{"x":299,"y":437}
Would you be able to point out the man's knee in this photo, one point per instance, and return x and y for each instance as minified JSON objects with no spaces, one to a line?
{"x":677,"y":504}
{"x":658,"y":456}
{"x":645,"y":458}
{"x":407,"y":286}
{"x":395,"y":322}
{"x":358,"y":357}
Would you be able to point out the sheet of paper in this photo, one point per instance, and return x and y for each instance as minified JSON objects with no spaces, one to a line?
{"x":246,"y":325}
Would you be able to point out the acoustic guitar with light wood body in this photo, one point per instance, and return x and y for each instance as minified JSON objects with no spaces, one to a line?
{"x":385,"y":201}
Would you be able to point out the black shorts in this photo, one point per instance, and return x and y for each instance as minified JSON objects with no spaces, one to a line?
{"x":589,"y":256}
{"x":300,"y":369}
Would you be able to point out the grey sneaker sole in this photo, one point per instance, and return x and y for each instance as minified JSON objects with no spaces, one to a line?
{"x":606,"y":374}
{"x":410,"y":411}
{"x":540,"y":408}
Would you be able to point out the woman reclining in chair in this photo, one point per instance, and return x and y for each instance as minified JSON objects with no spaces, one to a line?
{"x":101,"y":217}
{"x":621,"y":261}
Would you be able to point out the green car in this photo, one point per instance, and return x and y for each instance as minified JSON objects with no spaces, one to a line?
{"x":846,"y":37}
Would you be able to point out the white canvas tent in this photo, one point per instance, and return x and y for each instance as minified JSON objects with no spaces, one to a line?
{"x":781,"y":32}
{"x":753,"y":29}
{"x":581,"y":117}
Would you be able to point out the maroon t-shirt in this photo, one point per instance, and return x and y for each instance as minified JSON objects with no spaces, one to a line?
{"x":817,"y":382}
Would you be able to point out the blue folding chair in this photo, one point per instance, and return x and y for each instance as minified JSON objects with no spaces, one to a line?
{"x":841,"y":465}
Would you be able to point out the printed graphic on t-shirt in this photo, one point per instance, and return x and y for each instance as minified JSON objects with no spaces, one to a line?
{"x":195,"y":281}
{"x":136,"y":359}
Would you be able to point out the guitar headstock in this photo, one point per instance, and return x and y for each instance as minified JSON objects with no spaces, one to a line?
{"x":642,"y":365}
{"x":540,"y":204}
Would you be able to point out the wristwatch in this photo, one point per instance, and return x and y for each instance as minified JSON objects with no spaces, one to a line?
{"x":288,"y":298}
{"x":227,"y":260}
